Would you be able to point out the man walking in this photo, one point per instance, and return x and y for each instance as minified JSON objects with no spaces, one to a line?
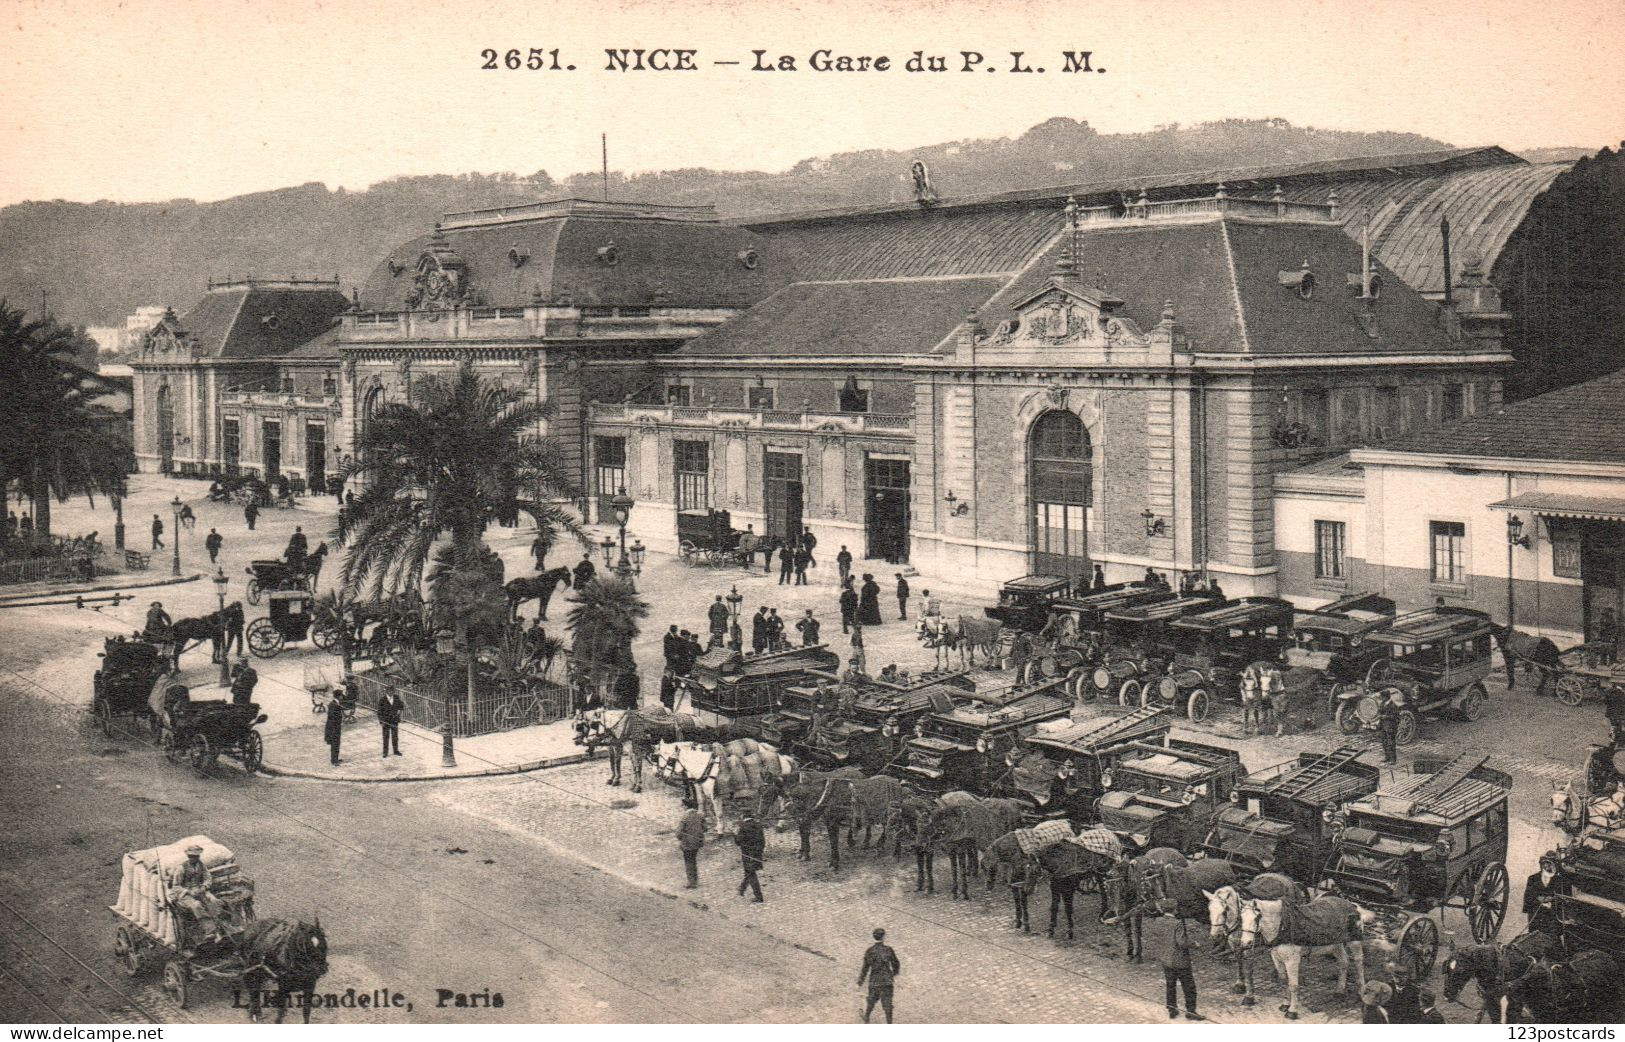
{"x":1173,"y":937}
{"x":843,"y":561}
{"x":902,"y":596}
{"x":809,"y":543}
{"x":849,"y":606}
{"x":333,"y":731}
{"x":250,"y":513}
{"x":390,"y":709}
{"x":880,"y":970}
{"x":752,"y":847}
{"x":690,"y":838}
{"x":717,"y":614}
{"x":758,"y":630}
{"x":809,"y":629}
{"x":211,"y":543}
{"x":157,"y":533}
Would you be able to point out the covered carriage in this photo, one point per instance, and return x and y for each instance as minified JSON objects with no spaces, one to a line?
{"x":1593,"y":914}
{"x":1329,"y":653}
{"x":291,"y":618}
{"x":1211,"y":649}
{"x":1437,"y":659}
{"x":707,"y":537}
{"x":123,"y":685}
{"x":964,"y":741}
{"x":200,"y":732}
{"x":1434,"y":839}
{"x":194,"y":939}
{"x":1167,"y":793}
{"x":864,"y":724}
{"x":1058,"y":769}
{"x":733,"y":685}
{"x":1135,"y":646}
{"x":1073,"y":638}
{"x":1024,"y":603}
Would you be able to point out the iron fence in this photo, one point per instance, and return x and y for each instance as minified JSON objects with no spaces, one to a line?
{"x":496,"y":706}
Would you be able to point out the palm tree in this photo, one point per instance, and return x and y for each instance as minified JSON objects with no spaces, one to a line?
{"x":604,"y":623}
{"x":460,"y":455}
{"x":58,"y":440}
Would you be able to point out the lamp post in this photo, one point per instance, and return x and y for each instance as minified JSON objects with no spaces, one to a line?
{"x":734,"y":599}
{"x":175,"y":568}
{"x":118,"y":521}
{"x":607,"y":548}
{"x":1515,"y":538}
{"x":445,"y":642}
{"x":638,"y":550}
{"x":622,"y":506}
{"x":220,"y":582}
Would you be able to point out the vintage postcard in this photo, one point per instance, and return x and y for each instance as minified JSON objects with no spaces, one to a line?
{"x":819,"y":513}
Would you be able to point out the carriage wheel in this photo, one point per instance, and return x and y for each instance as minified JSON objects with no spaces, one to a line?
{"x":687,"y":551}
{"x":176,"y":975}
{"x":1420,"y":941}
{"x":253,"y":752}
{"x":127,"y":950}
{"x":1046,"y":666}
{"x":200,"y":754}
{"x":1571,"y":690}
{"x":1472,"y":702}
{"x":1078,"y":685}
{"x":325,"y":635}
{"x":1348,"y":720}
{"x":263,"y":639}
{"x":254,"y":591}
{"x":1128,"y":695}
{"x":1487,"y":907}
{"x":104,"y":714}
{"x":1406,"y":733}
{"x":1197,"y":706}
{"x":1148,"y":694}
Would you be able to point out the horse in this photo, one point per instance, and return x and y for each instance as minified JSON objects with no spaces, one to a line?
{"x":535,"y":588}
{"x":699,"y":766}
{"x":966,"y":634}
{"x":1493,"y":967}
{"x":611,"y":728}
{"x":1264,"y":921}
{"x":1127,"y":893}
{"x":1587,"y":987}
{"x":1574,"y":814}
{"x":311,"y":567}
{"x":913,"y":827}
{"x":814,"y":796}
{"x":186,"y":634}
{"x":1224,"y":921}
{"x":293,"y":955}
{"x":966,"y":826}
{"x":1068,"y":865}
{"x":1536,"y":653}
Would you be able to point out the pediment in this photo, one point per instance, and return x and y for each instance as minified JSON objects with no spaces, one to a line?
{"x":1061,"y":314}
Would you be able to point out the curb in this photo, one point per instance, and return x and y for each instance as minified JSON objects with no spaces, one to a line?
{"x":167,"y":581}
{"x":495,"y":772}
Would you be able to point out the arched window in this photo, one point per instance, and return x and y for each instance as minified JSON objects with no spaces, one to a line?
{"x":1060,"y":489}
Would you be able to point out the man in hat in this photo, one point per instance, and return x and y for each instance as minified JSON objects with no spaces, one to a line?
{"x":902,"y":596}
{"x":880,"y":970}
{"x":752,"y":843}
{"x":1539,"y":896}
{"x":808,"y":627}
{"x":758,"y":630}
{"x":1388,"y":724}
{"x":211,"y":543}
{"x":298,"y":548}
{"x":158,"y":623}
{"x":690,"y":838}
{"x":717,"y":616}
{"x":1169,"y":934}
{"x":157,"y":533}
{"x":849,"y":605}
{"x":333,"y":730}
{"x":585,"y":570}
{"x":243,"y":679}
{"x":192,"y":895}
{"x":391,"y":707}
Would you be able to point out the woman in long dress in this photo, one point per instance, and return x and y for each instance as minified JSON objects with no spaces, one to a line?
{"x":869,"y":601}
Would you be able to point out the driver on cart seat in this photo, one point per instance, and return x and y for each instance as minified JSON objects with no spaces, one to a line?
{"x":193,"y":895}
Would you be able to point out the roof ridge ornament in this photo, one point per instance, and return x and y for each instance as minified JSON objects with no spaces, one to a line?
{"x":924,"y":194}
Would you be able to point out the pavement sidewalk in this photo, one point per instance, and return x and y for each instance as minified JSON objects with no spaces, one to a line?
{"x":301,"y":752}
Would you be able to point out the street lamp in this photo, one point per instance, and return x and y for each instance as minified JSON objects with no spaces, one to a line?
{"x":638,"y":551}
{"x":175,"y":569}
{"x":622,"y":506}
{"x":607,"y":548}
{"x":736,"y":638}
{"x":1515,"y":538}
{"x":445,"y":642}
{"x":220,"y":582}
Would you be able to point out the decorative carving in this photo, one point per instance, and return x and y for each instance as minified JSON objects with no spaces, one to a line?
{"x":924,"y":193}
{"x":403,"y":368}
{"x":441,"y":282}
{"x":349,"y":368}
{"x":1005,"y":332}
{"x":1057,"y":395}
{"x":533,"y":368}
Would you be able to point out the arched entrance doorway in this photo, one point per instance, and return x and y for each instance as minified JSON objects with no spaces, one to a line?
{"x":166,"y":430}
{"x":1060,"y":488}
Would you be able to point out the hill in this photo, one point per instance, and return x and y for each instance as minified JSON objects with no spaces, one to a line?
{"x":100,"y":260}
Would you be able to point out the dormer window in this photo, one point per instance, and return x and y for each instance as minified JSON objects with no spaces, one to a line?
{"x":1301,"y":281}
{"x":759,"y":397}
{"x":853,"y":398}
{"x":1355,"y":286}
{"x":271,"y":322}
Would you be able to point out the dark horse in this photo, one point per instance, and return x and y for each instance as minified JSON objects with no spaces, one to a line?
{"x":1493,"y":967}
{"x":188,"y":633}
{"x":1536,"y":653}
{"x":282,"y":959}
{"x":1587,"y":987}
{"x":1131,"y":891}
{"x":827,"y":797}
{"x":535,"y":587}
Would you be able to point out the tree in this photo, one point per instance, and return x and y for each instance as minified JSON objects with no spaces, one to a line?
{"x":603,"y":624}
{"x":58,"y":440}
{"x":459,"y":456}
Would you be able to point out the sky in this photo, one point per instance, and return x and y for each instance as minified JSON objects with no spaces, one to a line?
{"x":204,"y":99}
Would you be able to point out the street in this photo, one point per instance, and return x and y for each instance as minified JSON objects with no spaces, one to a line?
{"x":549,"y":888}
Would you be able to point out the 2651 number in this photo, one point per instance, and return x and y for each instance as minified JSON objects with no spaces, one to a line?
{"x":536,"y":59}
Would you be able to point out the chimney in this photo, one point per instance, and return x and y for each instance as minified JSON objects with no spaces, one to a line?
{"x":1449,"y":273}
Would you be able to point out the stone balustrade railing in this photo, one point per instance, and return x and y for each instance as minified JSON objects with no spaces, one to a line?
{"x":754,"y":419}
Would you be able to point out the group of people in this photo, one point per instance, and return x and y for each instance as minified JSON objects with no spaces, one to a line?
{"x":795,"y":554}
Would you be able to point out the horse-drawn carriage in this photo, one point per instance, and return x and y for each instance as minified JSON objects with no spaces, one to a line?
{"x":292,"y":618}
{"x":1071,"y":642}
{"x":268,"y":575}
{"x":1329,"y":653}
{"x":963,"y":742}
{"x":1136,"y":646}
{"x":1593,"y":914}
{"x":1282,"y":818}
{"x":1058,"y":770}
{"x":734,"y":685}
{"x":707,"y":537}
{"x":1166,"y":794}
{"x":1211,"y":649}
{"x":1434,"y":839}
{"x":124,"y":683}
{"x":1024,"y":603}
{"x":200,"y":732}
{"x":1437,"y":659}
{"x":1575,"y":674}
{"x":863,"y":724}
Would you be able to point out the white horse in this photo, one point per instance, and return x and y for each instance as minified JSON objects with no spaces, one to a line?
{"x":1261,"y":923}
{"x":698,"y":767}
{"x":1574,"y":813}
{"x":965,"y":634}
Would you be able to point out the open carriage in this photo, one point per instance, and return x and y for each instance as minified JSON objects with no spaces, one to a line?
{"x":863,"y":725}
{"x":123,"y":685}
{"x":1282,"y":818}
{"x":200,"y":732}
{"x":1434,"y":839}
{"x":973,"y":726}
{"x":194,"y":936}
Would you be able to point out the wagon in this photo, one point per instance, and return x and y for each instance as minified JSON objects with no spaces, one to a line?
{"x":1073,"y":638}
{"x":864,"y":724}
{"x":267,"y":575}
{"x":707,"y":537}
{"x":292,"y":618}
{"x":733,"y":685}
{"x":1581,"y":673}
{"x":1433,"y":839}
{"x":124,"y":683}
{"x":1059,"y":770}
{"x":1166,"y":794}
{"x":1136,"y":646}
{"x":1212,"y":648}
{"x":1593,"y":914}
{"x":1437,"y":659}
{"x":963,"y":743}
{"x":1281,"y":818}
{"x":157,"y":929}
{"x":1329,"y":653}
{"x":1024,"y":603}
{"x":200,"y":732}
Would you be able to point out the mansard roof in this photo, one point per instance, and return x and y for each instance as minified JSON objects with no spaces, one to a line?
{"x":261,"y":318}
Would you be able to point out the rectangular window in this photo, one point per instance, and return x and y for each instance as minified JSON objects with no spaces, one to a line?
{"x":1329,"y":543}
{"x":759,"y":397}
{"x":287,"y":384}
{"x":1060,"y":528}
{"x":609,"y":465}
{"x":230,"y":444}
{"x":1451,"y":403}
{"x":676,"y":394}
{"x":693,"y":460}
{"x":1449,"y":552}
{"x":330,"y":386}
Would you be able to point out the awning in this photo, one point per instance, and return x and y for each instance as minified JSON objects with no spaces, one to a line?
{"x":1562,"y":504}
